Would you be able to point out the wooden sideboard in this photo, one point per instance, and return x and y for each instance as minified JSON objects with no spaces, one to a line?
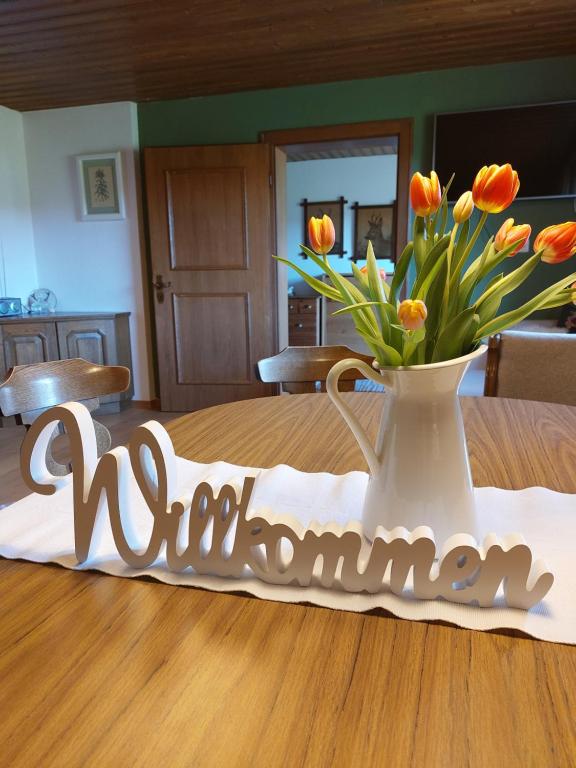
{"x":99,"y":337}
{"x":304,"y":322}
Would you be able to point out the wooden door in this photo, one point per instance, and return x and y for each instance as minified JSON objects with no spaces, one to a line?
{"x":215,"y":296}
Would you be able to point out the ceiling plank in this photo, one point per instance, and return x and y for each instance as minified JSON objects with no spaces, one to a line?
{"x":56,"y":53}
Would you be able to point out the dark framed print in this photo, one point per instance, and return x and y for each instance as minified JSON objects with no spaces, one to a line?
{"x":376,"y":223}
{"x":332,"y":208}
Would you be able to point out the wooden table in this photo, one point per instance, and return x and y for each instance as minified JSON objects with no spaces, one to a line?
{"x":101,"y":671}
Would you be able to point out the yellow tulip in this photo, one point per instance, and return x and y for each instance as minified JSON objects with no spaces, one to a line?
{"x":412,"y":314}
{"x":463,"y":208}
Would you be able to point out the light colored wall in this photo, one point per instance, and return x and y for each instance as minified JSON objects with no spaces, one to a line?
{"x":17,"y":259}
{"x":362,"y":180}
{"x":90,"y":265}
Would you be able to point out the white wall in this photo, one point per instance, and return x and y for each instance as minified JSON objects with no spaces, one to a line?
{"x":90,"y":265}
{"x":362,"y":180}
{"x":17,"y":259}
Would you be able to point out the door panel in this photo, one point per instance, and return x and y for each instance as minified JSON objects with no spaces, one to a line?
{"x":217,"y":328}
{"x":199,"y":238}
{"x":211,"y":239}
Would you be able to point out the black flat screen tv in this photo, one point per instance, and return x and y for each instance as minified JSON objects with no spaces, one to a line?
{"x":539,"y":141}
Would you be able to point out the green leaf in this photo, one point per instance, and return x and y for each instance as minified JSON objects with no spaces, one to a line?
{"x":393,"y":357}
{"x":359,"y":305}
{"x":429,"y":264}
{"x":362,"y":280}
{"x":452,"y":339}
{"x":517,"y":315}
{"x":510,"y":282}
{"x":434,"y":305}
{"x":400,"y":272}
{"x":313,"y":282}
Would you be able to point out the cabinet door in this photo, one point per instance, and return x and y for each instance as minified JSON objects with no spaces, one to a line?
{"x":26,"y":343}
{"x":93,"y":340}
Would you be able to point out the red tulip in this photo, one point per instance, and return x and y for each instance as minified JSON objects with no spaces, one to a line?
{"x":557,"y":242}
{"x":495,"y":188}
{"x":508,"y":234}
{"x":412,"y":314}
{"x":321,"y":234}
{"x":425,"y":194}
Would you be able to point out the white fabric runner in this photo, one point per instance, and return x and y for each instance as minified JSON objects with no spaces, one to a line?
{"x":40,"y":529}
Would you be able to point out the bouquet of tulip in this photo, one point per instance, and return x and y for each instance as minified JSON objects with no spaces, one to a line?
{"x":452,"y":305}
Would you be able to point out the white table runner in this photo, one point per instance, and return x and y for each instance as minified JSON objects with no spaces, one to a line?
{"x":40,"y":529}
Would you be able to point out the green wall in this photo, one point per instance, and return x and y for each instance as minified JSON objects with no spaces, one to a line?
{"x":239,"y":117}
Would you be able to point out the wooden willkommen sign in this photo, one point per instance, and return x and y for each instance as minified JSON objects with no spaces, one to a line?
{"x":226,"y":538}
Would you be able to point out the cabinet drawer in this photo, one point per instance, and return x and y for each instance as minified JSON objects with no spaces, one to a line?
{"x":308,"y":306}
{"x":303,"y":331}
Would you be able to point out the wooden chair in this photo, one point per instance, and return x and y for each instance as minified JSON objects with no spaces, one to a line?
{"x":532,"y":366}
{"x":29,"y":390}
{"x":299,"y":369}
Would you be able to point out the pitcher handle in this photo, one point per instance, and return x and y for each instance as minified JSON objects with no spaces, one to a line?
{"x":357,"y":429}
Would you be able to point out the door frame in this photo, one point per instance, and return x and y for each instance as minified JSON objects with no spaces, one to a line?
{"x":401,"y":127}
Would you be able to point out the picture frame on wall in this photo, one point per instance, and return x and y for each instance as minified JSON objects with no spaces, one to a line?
{"x":332,"y":208}
{"x":376,"y":223}
{"x":101,"y":188}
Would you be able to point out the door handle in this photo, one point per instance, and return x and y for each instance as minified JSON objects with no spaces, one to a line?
{"x":160,"y":285}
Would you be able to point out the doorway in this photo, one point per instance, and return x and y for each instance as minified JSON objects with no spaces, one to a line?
{"x":359,"y":175}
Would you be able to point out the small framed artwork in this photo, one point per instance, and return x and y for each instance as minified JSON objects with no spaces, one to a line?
{"x":332,"y":208}
{"x":101,"y":189}
{"x":376,"y":223}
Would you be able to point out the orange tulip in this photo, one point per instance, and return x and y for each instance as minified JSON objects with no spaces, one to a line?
{"x":558,"y":242}
{"x":463,"y":208}
{"x":321,"y":234}
{"x":425,"y":194}
{"x":509,"y":234}
{"x":495,"y":188}
{"x":412,"y":314}
{"x":382,"y":272}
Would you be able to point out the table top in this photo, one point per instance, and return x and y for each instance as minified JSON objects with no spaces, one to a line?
{"x":96,"y":670}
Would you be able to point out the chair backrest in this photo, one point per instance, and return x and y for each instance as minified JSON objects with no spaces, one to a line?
{"x":299,"y":368}
{"x":30,"y":388}
{"x":532,"y":366}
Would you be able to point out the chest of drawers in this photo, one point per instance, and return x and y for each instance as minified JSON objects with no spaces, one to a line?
{"x":304,"y":322}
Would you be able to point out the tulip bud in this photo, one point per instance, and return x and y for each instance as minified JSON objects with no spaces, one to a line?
{"x":321,"y":234}
{"x":425,"y":194}
{"x":509,"y":234}
{"x":495,"y":188}
{"x":463,"y":208}
{"x":364,"y":270}
{"x":557,"y":242}
{"x":412,"y":314}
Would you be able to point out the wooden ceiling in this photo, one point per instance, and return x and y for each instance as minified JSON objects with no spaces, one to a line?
{"x":56,"y":53}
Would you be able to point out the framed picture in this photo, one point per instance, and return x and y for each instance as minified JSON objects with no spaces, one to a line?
{"x":101,"y":190}
{"x":376,"y":223}
{"x":332,"y":208}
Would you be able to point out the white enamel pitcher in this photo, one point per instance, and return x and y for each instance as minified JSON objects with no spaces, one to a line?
{"x":419,"y":468}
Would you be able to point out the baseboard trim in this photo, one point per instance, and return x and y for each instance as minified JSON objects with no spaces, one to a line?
{"x":148,"y":405}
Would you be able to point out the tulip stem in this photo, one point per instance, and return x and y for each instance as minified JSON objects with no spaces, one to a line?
{"x":446,"y":299}
{"x":475,"y":234}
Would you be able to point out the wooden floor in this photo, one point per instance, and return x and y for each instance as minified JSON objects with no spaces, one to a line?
{"x":120,"y":425}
